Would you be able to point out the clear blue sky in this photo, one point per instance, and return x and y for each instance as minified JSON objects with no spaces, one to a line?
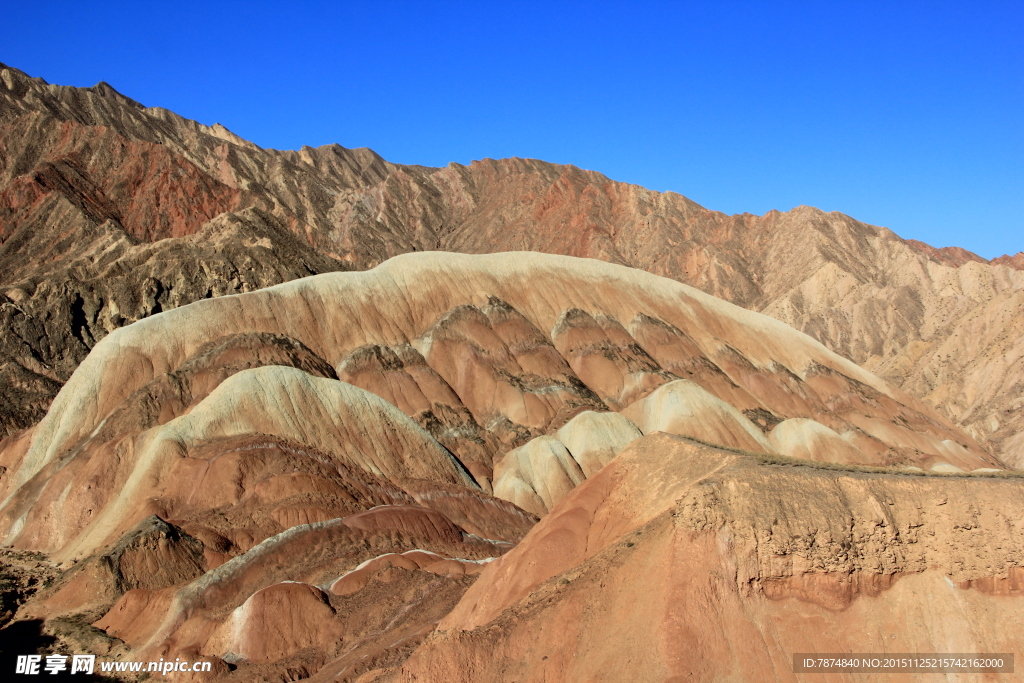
{"x":903,"y":114}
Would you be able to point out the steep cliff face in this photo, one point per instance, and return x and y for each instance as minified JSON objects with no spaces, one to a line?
{"x":88,"y":176}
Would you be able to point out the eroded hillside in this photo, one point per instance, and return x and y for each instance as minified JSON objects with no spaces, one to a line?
{"x":108,"y":208}
{"x":341,"y":477}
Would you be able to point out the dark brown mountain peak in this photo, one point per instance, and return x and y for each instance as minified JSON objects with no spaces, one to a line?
{"x":950,"y":256}
{"x":104,"y":89}
{"x":16,"y":82}
{"x":1016,"y":261}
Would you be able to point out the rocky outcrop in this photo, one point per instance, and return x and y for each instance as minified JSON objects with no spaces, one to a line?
{"x":1016,"y":261}
{"x":22,"y":574}
{"x":54,"y":313}
{"x":678,"y":560}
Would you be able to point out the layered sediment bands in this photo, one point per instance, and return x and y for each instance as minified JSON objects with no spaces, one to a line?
{"x":357,"y":579}
{"x":298,"y":481}
{"x":227,"y":606}
{"x":403,"y":377}
{"x":226,"y":421}
{"x":723,"y":565}
{"x":440,"y":304}
{"x":82,"y":170}
{"x":167,"y":469}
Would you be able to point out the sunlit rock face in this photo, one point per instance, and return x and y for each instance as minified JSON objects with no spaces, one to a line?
{"x":681,"y":561}
{"x":111,"y":211}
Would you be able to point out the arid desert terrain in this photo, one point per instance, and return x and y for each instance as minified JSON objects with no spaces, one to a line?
{"x":311,"y":415}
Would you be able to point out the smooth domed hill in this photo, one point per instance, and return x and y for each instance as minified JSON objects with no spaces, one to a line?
{"x":595,"y":438}
{"x":684,"y":407}
{"x":537,"y":475}
{"x":540,"y":473}
{"x":809,"y":440}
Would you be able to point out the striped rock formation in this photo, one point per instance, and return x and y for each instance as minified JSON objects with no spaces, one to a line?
{"x":309,"y":477}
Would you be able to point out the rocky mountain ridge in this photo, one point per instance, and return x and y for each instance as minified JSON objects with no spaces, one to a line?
{"x":94,"y":169}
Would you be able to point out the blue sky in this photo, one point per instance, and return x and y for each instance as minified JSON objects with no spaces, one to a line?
{"x":903,"y":114}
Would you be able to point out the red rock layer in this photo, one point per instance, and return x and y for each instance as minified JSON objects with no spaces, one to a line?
{"x":679,"y":562}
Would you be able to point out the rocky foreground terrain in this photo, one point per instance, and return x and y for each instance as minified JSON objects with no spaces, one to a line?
{"x":244,"y":422}
{"x":437,"y":468}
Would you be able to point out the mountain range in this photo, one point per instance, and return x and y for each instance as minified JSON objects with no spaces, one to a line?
{"x":92,"y":185}
{"x":314,"y":415}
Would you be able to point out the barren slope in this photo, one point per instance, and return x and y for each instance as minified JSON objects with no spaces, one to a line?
{"x":299,"y":479}
{"x":683,"y":562}
{"x":94,"y":169}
